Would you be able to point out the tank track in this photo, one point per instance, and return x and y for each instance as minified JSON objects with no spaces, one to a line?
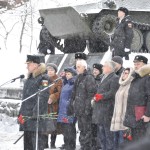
{"x":141,"y":26}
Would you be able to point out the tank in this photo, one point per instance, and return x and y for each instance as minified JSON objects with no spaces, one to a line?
{"x":92,"y":24}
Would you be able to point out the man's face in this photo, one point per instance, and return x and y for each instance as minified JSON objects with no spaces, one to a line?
{"x":121,"y":14}
{"x":106,"y":69}
{"x":95,"y":72}
{"x":80,"y":68}
{"x":138,"y":65}
{"x":31,"y":67}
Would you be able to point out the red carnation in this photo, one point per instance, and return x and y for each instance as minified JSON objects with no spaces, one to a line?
{"x":98,"y":97}
{"x":21,"y":119}
{"x":65,"y":120}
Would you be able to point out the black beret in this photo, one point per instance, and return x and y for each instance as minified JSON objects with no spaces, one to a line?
{"x":35,"y":59}
{"x":98,"y":66}
{"x":141,"y":59}
{"x":80,"y":55}
{"x":125,"y":10}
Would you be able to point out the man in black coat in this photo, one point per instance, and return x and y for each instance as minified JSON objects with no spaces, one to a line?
{"x":123,"y":34}
{"x":37,"y":79}
{"x":83,"y":92}
{"x":104,"y":105}
{"x":138,"y":102}
{"x":119,"y":65}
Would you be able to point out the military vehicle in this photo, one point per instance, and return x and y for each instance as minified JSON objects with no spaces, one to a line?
{"x":92,"y":25}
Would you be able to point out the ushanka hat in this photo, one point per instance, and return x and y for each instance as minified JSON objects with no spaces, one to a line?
{"x":140,"y":58}
{"x":123,"y":9}
{"x":98,"y":66}
{"x":80,"y":55}
{"x":35,"y":59}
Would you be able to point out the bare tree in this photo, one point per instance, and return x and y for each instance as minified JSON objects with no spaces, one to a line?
{"x":7,"y":32}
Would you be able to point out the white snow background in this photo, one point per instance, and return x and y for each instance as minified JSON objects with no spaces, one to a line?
{"x":12,"y":63}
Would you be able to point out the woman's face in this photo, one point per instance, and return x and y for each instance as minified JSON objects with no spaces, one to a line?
{"x":95,"y":72}
{"x":125,"y":74}
{"x":68,"y":75}
{"x":51,"y":72}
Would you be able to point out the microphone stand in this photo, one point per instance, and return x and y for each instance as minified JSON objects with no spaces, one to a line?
{"x":38,"y":100}
{"x":10,"y":81}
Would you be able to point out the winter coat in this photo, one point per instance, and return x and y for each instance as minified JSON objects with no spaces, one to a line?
{"x":122,"y":37}
{"x":54,"y":95}
{"x":34,"y":82}
{"x":139,"y":95}
{"x":65,"y":98}
{"x":83,"y":92}
{"x":119,"y":72}
{"x":121,"y":103}
{"x":103,"y":110}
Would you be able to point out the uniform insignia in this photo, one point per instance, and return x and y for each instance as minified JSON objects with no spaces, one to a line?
{"x":44,"y":83}
{"x":130,"y":25}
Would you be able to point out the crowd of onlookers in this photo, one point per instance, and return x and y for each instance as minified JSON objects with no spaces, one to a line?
{"x":109,"y":103}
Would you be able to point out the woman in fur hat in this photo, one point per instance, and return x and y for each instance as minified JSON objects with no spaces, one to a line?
{"x":120,"y":106}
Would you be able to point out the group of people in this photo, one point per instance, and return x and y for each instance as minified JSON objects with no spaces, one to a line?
{"x":110,"y":103}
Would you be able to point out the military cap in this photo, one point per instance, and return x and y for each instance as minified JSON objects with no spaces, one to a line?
{"x":98,"y":66}
{"x":141,"y":59}
{"x":125,"y":10}
{"x":35,"y":59}
{"x":80,"y":55}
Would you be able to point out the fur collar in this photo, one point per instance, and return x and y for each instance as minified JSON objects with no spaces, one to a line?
{"x":40,"y":70}
{"x":144,"y":70}
{"x":128,"y":80}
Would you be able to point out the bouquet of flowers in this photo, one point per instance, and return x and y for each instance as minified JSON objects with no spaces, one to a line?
{"x":22,"y":119}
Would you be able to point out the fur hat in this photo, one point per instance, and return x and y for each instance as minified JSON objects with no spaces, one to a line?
{"x":141,"y":59}
{"x":80,"y":55}
{"x":35,"y":59}
{"x":71,"y":70}
{"x":52,"y":65}
{"x":98,"y":66}
{"x":123,"y":9}
{"x":117,"y":59}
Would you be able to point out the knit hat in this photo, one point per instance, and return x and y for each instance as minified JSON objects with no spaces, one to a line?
{"x":141,"y":59}
{"x":80,"y":55}
{"x":98,"y":66}
{"x":117,"y":59}
{"x":71,"y":70}
{"x":123,"y":9}
{"x":52,"y":65}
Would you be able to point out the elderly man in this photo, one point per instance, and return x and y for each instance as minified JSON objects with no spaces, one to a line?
{"x":104,"y":105}
{"x":83,"y":92}
{"x":37,"y":79}
{"x":138,"y":103}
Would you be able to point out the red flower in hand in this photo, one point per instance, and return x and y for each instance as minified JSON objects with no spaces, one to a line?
{"x":65,"y":120}
{"x":129,"y":137}
{"x":98,"y":97}
{"x":21,"y":119}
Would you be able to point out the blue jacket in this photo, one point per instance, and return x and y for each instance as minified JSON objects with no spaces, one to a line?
{"x":65,"y":100}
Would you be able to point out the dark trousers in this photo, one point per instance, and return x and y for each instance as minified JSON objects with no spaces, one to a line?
{"x":84,"y":125}
{"x":53,"y":139}
{"x":69,"y":133}
{"x":106,"y":137}
{"x":30,"y":141}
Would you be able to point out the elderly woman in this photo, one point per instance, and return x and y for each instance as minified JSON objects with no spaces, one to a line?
{"x":53,"y":100}
{"x":120,"y":106}
{"x":67,"y":122}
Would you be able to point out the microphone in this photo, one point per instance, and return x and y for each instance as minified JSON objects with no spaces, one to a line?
{"x":20,"y":77}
